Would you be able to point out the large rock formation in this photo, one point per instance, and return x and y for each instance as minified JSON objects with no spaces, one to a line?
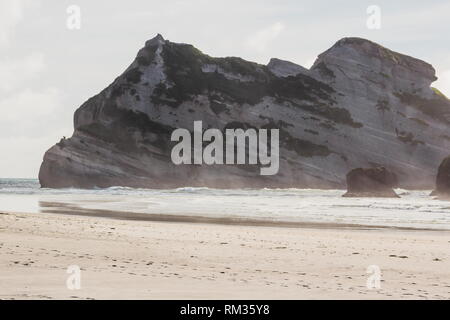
{"x":443,"y":180}
{"x":371,"y":182}
{"x":360,"y":105}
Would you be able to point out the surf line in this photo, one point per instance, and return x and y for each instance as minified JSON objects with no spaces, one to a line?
{"x":260,"y":152}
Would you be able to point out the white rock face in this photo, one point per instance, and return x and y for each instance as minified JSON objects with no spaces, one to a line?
{"x":282,"y":68}
{"x":360,"y":105}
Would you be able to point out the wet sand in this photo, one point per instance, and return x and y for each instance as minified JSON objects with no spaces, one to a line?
{"x":133,"y":259}
{"x":73,"y":209}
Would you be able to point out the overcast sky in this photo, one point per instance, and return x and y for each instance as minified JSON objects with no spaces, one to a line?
{"x":47,"y":71}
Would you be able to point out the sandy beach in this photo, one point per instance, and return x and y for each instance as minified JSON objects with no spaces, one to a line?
{"x":132,"y":259}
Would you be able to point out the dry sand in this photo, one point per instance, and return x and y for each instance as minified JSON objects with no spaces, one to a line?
{"x":126,"y":259}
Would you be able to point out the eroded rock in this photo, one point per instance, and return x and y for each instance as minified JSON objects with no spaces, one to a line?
{"x":371,"y":182}
{"x":360,"y":105}
{"x":442,"y":189}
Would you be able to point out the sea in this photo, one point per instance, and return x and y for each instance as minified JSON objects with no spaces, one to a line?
{"x":414,"y":209}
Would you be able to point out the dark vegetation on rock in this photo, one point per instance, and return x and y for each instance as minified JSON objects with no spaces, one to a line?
{"x":122,"y":122}
{"x":184,"y":69}
{"x":437,"y":108}
{"x":408,"y":137}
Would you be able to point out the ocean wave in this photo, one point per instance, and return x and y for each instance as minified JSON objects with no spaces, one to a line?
{"x":415,"y":208}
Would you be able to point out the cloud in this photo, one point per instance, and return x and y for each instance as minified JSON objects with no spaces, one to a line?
{"x":260,"y":41}
{"x":310,"y":62}
{"x":21,"y":157}
{"x":30,"y":122}
{"x":14,"y":72}
{"x":29,"y":115}
{"x":11,"y":13}
{"x":25,"y":113}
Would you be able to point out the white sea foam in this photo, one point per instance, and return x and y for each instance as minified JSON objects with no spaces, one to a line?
{"x":414,"y":209}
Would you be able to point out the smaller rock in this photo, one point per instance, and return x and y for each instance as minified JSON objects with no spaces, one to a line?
{"x":371,"y":182}
{"x":443,"y":180}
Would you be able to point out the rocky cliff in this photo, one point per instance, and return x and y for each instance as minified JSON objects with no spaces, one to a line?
{"x":360,"y":105}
